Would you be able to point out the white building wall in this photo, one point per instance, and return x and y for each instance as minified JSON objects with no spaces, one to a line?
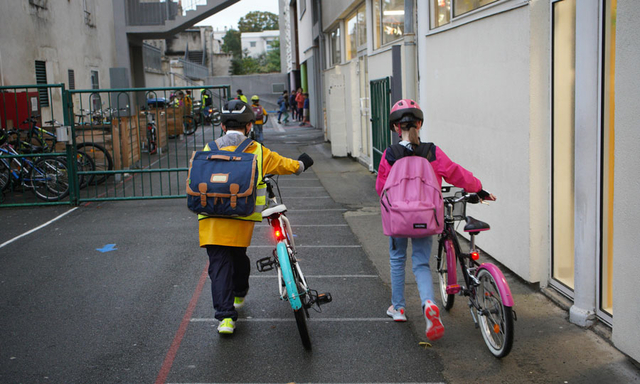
{"x":626,"y":204}
{"x":261,"y":40}
{"x":305,"y":30}
{"x":475,"y":84}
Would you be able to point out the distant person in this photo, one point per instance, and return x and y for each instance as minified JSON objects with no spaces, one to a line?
{"x":293,"y":105}
{"x":305,"y":112}
{"x":261,"y":118}
{"x":299,"y":104}
{"x":241,"y":96}
{"x":283,"y":103}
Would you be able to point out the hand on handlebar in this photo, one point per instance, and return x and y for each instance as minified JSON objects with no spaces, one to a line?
{"x":306,"y":160}
{"x":486,"y":195}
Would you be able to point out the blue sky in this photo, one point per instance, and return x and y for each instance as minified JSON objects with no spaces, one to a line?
{"x":230,"y":16}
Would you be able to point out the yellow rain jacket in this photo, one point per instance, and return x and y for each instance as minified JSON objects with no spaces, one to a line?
{"x":238,"y":232}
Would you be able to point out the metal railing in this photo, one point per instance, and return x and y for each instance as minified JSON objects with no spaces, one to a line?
{"x":193,"y":70}
{"x":380,"y":109}
{"x":156,"y":12}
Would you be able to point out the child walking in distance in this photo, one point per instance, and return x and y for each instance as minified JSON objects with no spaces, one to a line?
{"x":406,"y":120}
{"x":261,"y":118}
{"x":227,"y":238}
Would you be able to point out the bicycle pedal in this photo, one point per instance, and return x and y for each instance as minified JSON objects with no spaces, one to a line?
{"x":453,"y":289}
{"x":324,"y":298}
{"x":265,"y":264}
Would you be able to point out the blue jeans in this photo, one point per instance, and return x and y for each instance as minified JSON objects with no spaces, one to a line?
{"x":420,"y":261}
{"x":257,"y":130}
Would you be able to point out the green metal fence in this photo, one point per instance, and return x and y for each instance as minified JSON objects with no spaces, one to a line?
{"x":129,"y":144}
{"x":380,"y":109}
{"x":141,"y":139}
{"x":34,"y":168}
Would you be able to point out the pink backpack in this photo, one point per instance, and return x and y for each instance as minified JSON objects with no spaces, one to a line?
{"x":411,"y":200}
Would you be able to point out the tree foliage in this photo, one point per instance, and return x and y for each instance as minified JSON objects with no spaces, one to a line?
{"x":232,"y":43}
{"x":265,"y":63}
{"x":258,"y":21}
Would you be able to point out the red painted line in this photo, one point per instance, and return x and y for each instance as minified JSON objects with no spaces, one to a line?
{"x":175,"y":345}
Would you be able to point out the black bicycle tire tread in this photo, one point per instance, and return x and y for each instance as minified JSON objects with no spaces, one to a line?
{"x":442,"y":258}
{"x":99,"y":179}
{"x":47,"y":197}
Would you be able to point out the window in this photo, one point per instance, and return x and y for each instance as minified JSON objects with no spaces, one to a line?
{"x":334,"y":47}
{"x":444,"y":12}
{"x":95,"y":82}
{"x":72,"y":79}
{"x":388,"y":18}
{"x":41,"y":78}
{"x":252,"y":44}
{"x":356,"y":38}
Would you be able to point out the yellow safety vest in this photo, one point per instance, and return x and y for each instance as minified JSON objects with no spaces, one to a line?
{"x":261,"y":191}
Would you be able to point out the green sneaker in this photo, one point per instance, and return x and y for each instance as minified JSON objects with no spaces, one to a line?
{"x":227,"y":326}
{"x":238,"y":302}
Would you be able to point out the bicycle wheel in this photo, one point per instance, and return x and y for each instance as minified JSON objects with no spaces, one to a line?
{"x":303,"y":313}
{"x":442,"y":268}
{"x":293,"y":294}
{"x":50,"y":179}
{"x":5,"y":176}
{"x":496,"y":320}
{"x":85,"y":163}
{"x":190,"y":125}
{"x":216,"y":119}
{"x":101,"y":159}
{"x":151,"y":139}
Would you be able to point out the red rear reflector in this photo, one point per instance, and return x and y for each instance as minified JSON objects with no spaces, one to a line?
{"x":475,"y":255}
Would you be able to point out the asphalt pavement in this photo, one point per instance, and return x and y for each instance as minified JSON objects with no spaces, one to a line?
{"x":117,"y":292}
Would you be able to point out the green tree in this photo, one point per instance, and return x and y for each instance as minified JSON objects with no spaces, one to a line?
{"x":272,"y":60}
{"x":258,"y":21}
{"x":231,"y":43}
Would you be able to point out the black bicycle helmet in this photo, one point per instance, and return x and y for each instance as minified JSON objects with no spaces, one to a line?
{"x":237,"y":114}
{"x":404,"y":111}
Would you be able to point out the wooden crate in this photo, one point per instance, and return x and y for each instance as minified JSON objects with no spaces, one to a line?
{"x":126,"y":142}
{"x":175,"y":121}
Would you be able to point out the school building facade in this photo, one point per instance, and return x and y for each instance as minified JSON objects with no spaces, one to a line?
{"x":539,"y":98}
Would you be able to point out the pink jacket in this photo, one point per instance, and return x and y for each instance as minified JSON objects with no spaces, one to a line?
{"x":452,"y":173}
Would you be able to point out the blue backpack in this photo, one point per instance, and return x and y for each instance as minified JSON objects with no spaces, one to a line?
{"x":223,"y":183}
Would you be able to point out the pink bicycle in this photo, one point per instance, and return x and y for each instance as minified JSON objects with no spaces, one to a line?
{"x":490,"y":299}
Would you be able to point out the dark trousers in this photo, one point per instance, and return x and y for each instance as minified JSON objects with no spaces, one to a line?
{"x":229,"y":269}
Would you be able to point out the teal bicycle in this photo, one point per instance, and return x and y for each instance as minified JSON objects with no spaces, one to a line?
{"x":292,"y":285}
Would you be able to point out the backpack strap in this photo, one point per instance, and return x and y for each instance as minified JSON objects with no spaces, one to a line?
{"x":426,"y":150}
{"x":247,"y":142}
{"x":213,"y":145}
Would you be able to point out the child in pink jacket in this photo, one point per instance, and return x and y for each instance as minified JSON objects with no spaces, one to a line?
{"x":406,"y":119}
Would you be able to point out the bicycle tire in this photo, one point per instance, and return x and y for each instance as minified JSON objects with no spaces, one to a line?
{"x":50,"y":179}
{"x":442,"y":268}
{"x":216,"y":118}
{"x":302,"y":314}
{"x":5,"y":176}
{"x":101,"y":158}
{"x":151,"y":139}
{"x":85,"y":163}
{"x":190,"y":125}
{"x":495,"y":320}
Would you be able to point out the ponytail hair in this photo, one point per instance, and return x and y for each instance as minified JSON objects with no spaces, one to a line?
{"x":414,"y":138}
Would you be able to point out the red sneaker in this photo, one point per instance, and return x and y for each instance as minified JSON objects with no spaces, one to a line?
{"x":435,"y":329}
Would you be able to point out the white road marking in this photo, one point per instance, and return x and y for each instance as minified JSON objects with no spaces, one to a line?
{"x":322,"y":276}
{"x":310,"y":246}
{"x":37,"y":228}
{"x":332,"y":319}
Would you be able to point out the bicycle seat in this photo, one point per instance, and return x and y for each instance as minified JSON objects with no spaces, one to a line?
{"x":277,"y":209}
{"x":474,"y":226}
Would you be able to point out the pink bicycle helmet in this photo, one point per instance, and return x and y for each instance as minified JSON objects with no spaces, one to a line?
{"x":404,"y":111}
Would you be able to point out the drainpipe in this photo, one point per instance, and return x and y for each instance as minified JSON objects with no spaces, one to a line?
{"x":410,"y":52}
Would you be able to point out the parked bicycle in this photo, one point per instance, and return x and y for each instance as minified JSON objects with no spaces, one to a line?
{"x":152,"y":132}
{"x":292,"y":285}
{"x":47,"y":177}
{"x":490,"y":300}
{"x":91,"y":156}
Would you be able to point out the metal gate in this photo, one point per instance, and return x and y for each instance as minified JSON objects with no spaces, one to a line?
{"x":129,"y":144}
{"x":380,"y":109}
{"x":141,"y":139}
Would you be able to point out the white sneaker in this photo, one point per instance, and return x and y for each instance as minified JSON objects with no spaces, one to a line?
{"x":396,"y":314}
{"x":435,"y":329}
